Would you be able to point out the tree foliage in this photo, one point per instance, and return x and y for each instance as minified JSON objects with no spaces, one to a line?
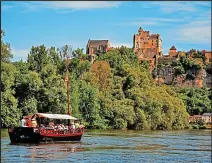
{"x":10,"y":113}
{"x":196,"y":100}
{"x":117,"y":91}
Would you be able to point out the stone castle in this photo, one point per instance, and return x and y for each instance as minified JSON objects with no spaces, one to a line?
{"x":148,"y":47}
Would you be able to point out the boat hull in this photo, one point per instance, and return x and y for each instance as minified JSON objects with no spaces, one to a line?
{"x":28,"y":135}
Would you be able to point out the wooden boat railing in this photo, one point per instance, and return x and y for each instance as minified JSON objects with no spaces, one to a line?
{"x":58,"y":131}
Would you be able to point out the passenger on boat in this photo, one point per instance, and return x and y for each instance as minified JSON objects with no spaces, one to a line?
{"x":76,"y":124}
{"x":23,"y":122}
{"x":51,"y":124}
{"x":72,"y":126}
{"x":81,"y":125}
{"x":62,"y":125}
{"x":42,"y":126}
{"x":46,"y":124}
{"x":59,"y":127}
{"x":34,"y":122}
{"x":28,"y":122}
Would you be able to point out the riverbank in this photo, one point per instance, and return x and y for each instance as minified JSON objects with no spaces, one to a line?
{"x":196,"y":126}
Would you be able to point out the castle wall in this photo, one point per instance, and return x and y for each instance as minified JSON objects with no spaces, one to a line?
{"x":208,"y":57}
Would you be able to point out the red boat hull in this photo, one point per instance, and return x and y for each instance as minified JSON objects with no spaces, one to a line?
{"x":28,"y":135}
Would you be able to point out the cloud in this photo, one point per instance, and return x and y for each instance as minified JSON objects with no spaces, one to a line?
{"x":77,"y":5}
{"x":30,"y":6}
{"x":6,"y":7}
{"x":165,"y":19}
{"x":175,"y":6}
{"x":171,"y":7}
{"x":140,"y":23}
{"x":64,"y":6}
{"x":151,"y":21}
{"x":197,"y":30}
{"x":195,"y":33}
{"x":19,"y":54}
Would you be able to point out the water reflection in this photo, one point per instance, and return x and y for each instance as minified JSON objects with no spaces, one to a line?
{"x":54,"y":151}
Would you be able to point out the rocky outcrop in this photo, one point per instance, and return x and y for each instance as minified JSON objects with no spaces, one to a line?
{"x":191,"y":78}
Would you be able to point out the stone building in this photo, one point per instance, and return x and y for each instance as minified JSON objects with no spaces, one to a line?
{"x":172,"y":51}
{"x":94,"y":45}
{"x":207,"y":117}
{"x":143,"y":42}
{"x":147,"y":47}
{"x":173,"y":55}
{"x":208,"y":56}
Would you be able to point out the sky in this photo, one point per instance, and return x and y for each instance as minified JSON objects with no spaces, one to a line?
{"x":185,"y":25}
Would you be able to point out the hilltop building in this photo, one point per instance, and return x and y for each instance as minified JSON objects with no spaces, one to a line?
{"x":208,"y":56}
{"x":96,"y":45}
{"x":173,"y":55}
{"x":145,"y":42}
{"x":100,"y":45}
{"x":172,"y":51}
{"x":147,"y":47}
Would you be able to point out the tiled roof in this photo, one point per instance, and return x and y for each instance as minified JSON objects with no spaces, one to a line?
{"x":197,"y":116}
{"x":173,"y":48}
{"x":207,"y":114}
{"x":96,"y":43}
{"x":154,"y":36}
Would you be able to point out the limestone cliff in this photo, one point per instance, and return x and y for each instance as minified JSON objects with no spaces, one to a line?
{"x":190,"y":78}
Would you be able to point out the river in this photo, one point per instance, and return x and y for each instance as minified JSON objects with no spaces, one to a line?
{"x":116,"y":146}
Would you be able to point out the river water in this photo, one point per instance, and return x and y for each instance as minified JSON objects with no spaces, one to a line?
{"x":116,"y":146}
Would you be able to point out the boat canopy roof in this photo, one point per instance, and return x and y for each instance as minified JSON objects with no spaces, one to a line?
{"x":56,"y":116}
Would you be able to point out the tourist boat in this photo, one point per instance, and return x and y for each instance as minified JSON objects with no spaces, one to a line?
{"x":33,"y":130}
{"x":41,"y":133}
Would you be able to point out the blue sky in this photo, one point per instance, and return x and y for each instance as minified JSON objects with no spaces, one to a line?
{"x":183,"y":24}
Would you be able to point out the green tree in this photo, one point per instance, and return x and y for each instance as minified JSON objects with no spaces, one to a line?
{"x":78,"y":53}
{"x":52,"y":96}
{"x":6,"y":54}
{"x":38,"y":58}
{"x":89,"y":106}
{"x":55,"y":57}
{"x":196,"y":100}
{"x":10,"y":113}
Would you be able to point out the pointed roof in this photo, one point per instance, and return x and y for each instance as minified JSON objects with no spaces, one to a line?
{"x":173,"y":48}
{"x":140,"y":29}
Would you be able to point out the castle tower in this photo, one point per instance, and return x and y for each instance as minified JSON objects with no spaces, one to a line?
{"x":144,"y":42}
{"x":172,"y":51}
{"x":140,"y":31}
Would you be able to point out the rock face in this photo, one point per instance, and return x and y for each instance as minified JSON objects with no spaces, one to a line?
{"x":190,"y":78}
